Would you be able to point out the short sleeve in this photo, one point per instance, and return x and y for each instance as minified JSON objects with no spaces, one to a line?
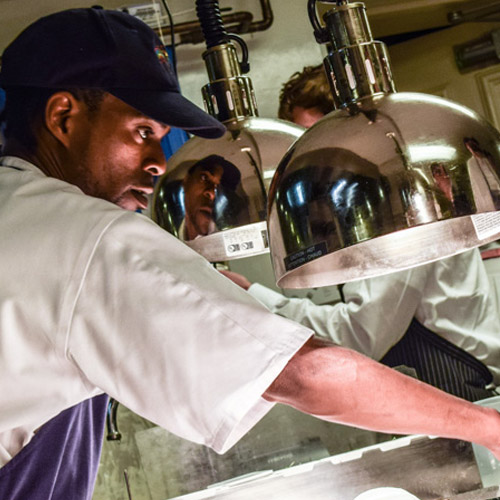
{"x":156,"y":327}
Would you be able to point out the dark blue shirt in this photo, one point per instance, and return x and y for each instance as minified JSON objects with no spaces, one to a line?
{"x":61,"y":460}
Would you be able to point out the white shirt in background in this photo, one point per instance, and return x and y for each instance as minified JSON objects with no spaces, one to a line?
{"x":452,"y":297}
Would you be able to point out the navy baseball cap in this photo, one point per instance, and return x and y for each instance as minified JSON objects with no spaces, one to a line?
{"x":231,"y":176}
{"x":104,"y":49}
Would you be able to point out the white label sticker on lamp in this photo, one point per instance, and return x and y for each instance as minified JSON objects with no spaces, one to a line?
{"x":487,"y":224}
{"x":247,"y":240}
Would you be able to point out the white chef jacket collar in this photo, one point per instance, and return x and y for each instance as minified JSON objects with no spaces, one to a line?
{"x":19,"y":163}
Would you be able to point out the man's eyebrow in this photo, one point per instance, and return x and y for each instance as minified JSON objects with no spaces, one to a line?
{"x":138,"y":116}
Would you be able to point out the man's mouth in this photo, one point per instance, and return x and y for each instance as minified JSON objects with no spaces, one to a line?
{"x":206,"y":210}
{"x":141,"y":197}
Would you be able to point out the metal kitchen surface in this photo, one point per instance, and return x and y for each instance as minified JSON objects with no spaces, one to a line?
{"x":429,"y":468}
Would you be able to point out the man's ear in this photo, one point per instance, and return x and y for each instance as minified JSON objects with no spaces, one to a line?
{"x":62,"y":113}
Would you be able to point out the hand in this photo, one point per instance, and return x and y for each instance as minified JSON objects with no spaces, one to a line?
{"x":239,"y":279}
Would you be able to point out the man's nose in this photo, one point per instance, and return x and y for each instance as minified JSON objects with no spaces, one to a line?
{"x":156,"y":163}
{"x":211,"y":192}
{"x":157,"y":168}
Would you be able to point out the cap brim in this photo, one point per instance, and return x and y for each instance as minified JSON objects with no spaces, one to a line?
{"x":172,"y":108}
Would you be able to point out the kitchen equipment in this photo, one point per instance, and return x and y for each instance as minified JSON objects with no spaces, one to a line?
{"x":225,"y":218}
{"x":428,"y":468}
{"x":386,"y":182}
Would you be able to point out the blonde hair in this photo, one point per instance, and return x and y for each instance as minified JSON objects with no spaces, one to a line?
{"x":308,"y":88}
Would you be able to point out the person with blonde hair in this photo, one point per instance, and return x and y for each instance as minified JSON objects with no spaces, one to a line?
{"x":306,"y":96}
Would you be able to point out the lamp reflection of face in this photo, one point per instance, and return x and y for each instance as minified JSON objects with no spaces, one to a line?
{"x":200,"y":189}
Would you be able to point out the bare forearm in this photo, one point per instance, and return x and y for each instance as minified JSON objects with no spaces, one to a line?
{"x":343,"y":386}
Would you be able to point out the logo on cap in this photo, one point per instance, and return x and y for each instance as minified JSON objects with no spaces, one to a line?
{"x":162,"y":54}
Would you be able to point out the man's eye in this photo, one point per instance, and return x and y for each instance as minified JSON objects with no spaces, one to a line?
{"x":144,"y":133}
{"x":203,"y":177}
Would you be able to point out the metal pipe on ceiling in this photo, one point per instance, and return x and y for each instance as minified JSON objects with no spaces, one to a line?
{"x":241,"y":22}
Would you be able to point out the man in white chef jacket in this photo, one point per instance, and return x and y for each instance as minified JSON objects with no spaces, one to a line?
{"x":97,"y":300}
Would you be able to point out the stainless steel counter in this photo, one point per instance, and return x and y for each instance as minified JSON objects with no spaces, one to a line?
{"x":431,"y":469}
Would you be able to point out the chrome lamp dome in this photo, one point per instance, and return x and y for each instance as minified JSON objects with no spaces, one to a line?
{"x":233,"y":215}
{"x":214,"y":193}
{"x":386,"y":182}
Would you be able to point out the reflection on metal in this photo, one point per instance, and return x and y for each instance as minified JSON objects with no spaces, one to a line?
{"x":218,"y":207}
{"x":386,"y":182}
{"x":229,"y":96}
{"x":214,"y":194}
